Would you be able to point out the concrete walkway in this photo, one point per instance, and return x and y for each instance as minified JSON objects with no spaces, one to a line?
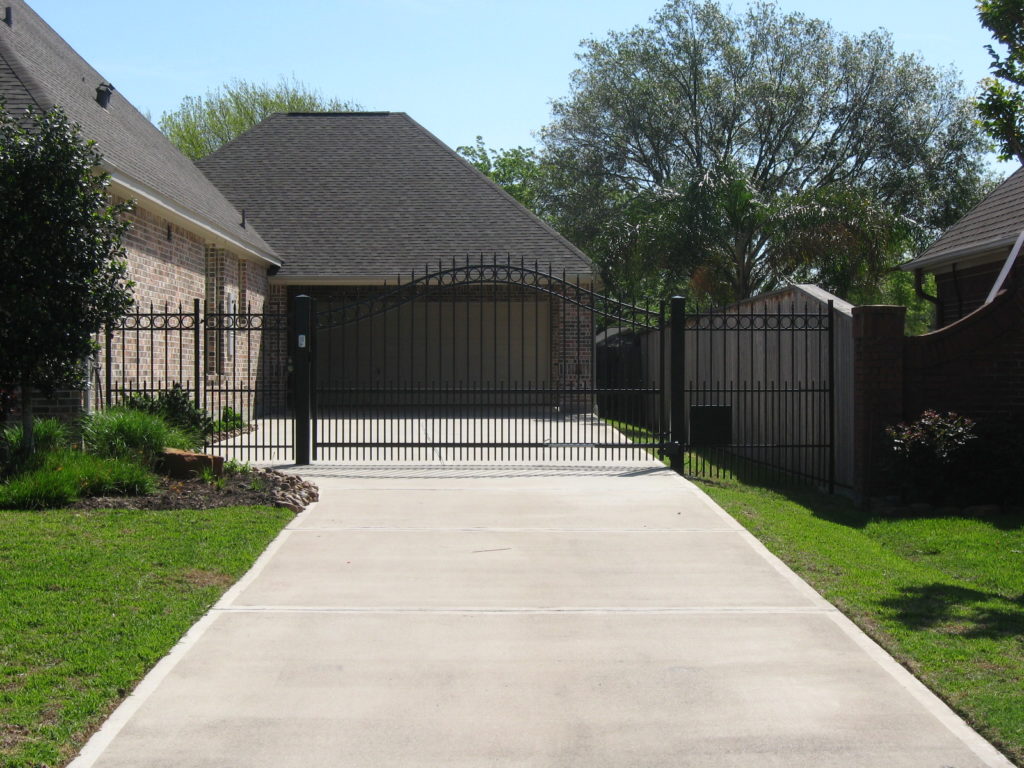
{"x":592,"y":616}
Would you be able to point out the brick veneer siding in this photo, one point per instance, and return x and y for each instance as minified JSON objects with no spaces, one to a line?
{"x":572,"y":352}
{"x":963,"y":291}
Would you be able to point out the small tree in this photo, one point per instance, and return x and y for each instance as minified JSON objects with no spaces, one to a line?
{"x":60,"y":245}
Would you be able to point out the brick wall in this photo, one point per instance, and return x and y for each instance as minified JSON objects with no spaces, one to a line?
{"x":974,"y":367}
{"x":877,"y":390}
{"x":166,"y":262}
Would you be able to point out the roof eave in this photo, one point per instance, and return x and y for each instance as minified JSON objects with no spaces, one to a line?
{"x":130,"y":187}
{"x":927,"y":262}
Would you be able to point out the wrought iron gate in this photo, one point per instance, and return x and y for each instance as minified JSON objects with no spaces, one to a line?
{"x":496,"y":362}
{"x":474,"y":362}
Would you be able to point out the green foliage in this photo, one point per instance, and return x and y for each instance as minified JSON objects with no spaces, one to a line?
{"x":519,"y":171}
{"x":897,"y":288}
{"x":50,"y":435}
{"x":236,"y":467}
{"x":929,"y":455}
{"x":1001,"y":103}
{"x":66,"y":475}
{"x":208,"y":476}
{"x":229,"y":419}
{"x":130,"y":434}
{"x":176,"y":407}
{"x":727,"y":153}
{"x":203,"y":124}
{"x":60,"y":245}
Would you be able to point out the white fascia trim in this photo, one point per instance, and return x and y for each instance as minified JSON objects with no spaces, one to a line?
{"x":133,"y":188}
{"x":971,"y":253}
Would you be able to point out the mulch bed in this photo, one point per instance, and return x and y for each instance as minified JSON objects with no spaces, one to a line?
{"x":257,"y":487}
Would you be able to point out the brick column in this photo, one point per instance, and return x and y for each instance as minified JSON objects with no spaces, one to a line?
{"x":572,"y":355}
{"x":878,"y":348}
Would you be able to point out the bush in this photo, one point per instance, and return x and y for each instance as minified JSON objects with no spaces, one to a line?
{"x":177,"y":409}
{"x":125,"y":433}
{"x":66,"y":475}
{"x":931,"y":455}
{"x":229,"y":419}
{"x":50,"y":435}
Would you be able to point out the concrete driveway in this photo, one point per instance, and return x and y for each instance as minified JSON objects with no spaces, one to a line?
{"x":523,"y":616}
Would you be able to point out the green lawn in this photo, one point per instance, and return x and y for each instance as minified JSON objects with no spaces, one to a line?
{"x":945,"y":596}
{"x":90,"y":601}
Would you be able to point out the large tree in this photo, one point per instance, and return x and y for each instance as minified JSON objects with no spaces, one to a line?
{"x":60,"y":246}
{"x":202,"y":124}
{"x":1001,"y":104}
{"x":734,"y":152}
{"x":518,"y":171}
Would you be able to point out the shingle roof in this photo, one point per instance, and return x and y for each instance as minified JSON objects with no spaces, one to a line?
{"x":993,"y":223}
{"x":374,"y":194}
{"x":38,"y":68}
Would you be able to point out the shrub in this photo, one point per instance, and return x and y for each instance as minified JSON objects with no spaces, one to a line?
{"x":176,"y":407}
{"x":66,"y":475}
{"x":125,"y":433}
{"x":229,"y":419}
{"x":50,"y":435}
{"x":930,"y":455}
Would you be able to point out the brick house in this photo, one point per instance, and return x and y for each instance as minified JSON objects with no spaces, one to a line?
{"x":328,"y":205}
{"x":186,"y":241}
{"x":969,"y":256}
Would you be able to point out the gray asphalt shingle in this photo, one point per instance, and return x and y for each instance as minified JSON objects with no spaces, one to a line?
{"x":993,"y":222}
{"x":38,"y":68}
{"x":374,"y":194}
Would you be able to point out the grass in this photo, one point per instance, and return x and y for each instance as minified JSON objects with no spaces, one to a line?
{"x":90,"y":601}
{"x":65,"y":475}
{"x":944,"y":595}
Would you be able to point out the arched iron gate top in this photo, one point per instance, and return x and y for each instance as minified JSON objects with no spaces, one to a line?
{"x":495,"y":273}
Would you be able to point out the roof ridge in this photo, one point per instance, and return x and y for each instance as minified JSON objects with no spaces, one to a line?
{"x":346,"y":113}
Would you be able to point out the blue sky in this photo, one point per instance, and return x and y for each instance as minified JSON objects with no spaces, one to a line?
{"x":460,"y":68}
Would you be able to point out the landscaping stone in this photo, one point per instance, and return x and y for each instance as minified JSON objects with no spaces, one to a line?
{"x":184,"y":465}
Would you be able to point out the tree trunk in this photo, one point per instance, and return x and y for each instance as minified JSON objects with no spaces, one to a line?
{"x":28,"y":439}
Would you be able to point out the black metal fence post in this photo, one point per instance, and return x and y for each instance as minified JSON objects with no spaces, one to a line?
{"x":303,"y":309}
{"x":197,"y":351}
{"x":831,"y":398}
{"x":677,"y":370}
{"x":108,"y":365}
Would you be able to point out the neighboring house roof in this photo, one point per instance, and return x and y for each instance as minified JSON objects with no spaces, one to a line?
{"x":993,"y":224}
{"x":39,"y":69}
{"x":371,"y":195}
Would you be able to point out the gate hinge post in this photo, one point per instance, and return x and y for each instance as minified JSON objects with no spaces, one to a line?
{"x":302,"y":380}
